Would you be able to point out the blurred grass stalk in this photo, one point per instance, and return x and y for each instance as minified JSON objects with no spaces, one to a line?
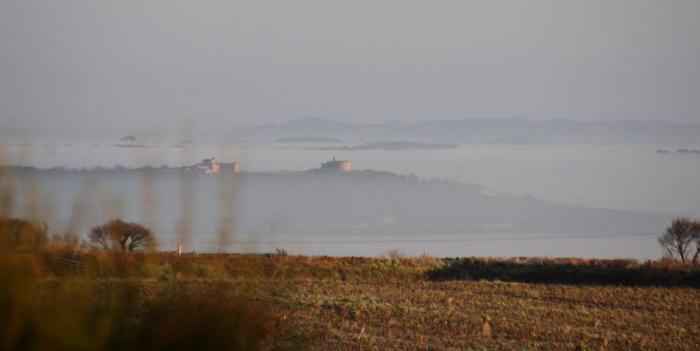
{"x":78,"y":309}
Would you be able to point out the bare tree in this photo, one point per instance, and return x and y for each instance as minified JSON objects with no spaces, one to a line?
{"x":122,"y":236}
{"x":682,"y":240}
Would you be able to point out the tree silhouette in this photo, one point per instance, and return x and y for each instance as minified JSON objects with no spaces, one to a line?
{"x":682,"y":240}
{"x":122,"y":236}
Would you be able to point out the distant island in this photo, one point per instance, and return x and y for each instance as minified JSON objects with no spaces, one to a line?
{"x":134,"y":145}
{"x":128,"y":139}
{"x":516,"y":140}
{"x":391,"y":146}
{"x":679,"y":151}
{"x":336,"y":200}
{"x":489,"y":130}
{"x":309,"y":139}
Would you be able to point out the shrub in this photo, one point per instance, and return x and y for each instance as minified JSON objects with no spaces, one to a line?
{"x":21,"y":234}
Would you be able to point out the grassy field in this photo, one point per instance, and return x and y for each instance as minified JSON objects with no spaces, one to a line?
{"x":327,"y":303}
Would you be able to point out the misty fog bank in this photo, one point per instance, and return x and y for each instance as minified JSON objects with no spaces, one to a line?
{"x":617,"y":176}
{"x":279,"y":208}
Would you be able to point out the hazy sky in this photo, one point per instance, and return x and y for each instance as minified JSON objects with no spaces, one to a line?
{"x":145,"y":63}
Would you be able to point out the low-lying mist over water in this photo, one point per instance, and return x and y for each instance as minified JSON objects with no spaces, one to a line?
{"x":562,"y":197}
{"x":318,"y":212}
{"x":621,"y":175}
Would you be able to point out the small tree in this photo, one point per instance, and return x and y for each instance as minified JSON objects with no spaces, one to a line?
{"x":682,"y":240}
{"x":22,"y":234}
{"x":122,"y":236}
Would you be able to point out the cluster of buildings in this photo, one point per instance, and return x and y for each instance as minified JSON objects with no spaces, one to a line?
{"x":212,"y":166}
{"x":336,"y":166}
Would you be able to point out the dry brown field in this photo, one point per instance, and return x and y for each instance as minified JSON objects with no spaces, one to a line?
{"x":327,"y":303}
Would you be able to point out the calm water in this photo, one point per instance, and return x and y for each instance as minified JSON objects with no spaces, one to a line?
{"x":442,"y":245}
